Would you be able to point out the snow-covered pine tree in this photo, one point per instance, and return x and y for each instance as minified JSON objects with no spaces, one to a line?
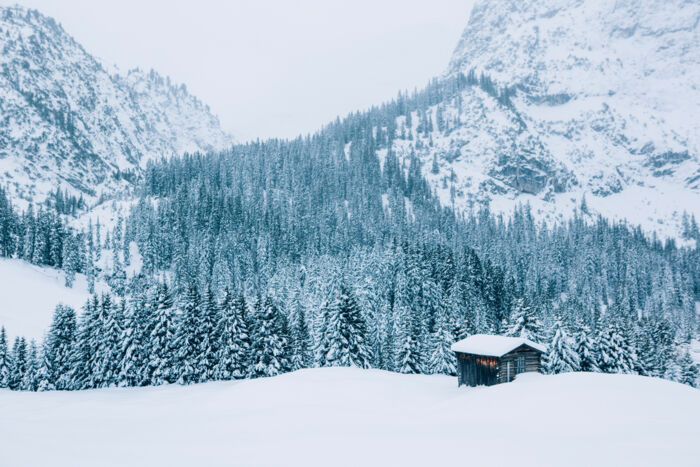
{"x":688,"y":370}
{"x":161,"y":332}
{"x":614,"y":354}
{"x":98,"y":241}
{"x":269,"y":351}
{"x":303,"y":357}
{"x":19,"y":363}
{"x":134,"y":365}
{"x":233,"y":346}
{"x":409,"y":350}
{"x":665,"y":347}
{"x":435,"y":168}
{"x":30,"y":379}
{"x":71,"y":260}
{"x":90,"y":259}
{"x":117,"y":279}
{"x":29,"y":225}
{"x":5,"y":360}
{"x":187,"y":338}
{"x":585,"y":349}
{"x":320,"y":350}
{"x":109,"y":347}
{"x":346,"y":332}
{"x":125,"y":246}
{"x":442,"y":358}
{"x":389,"y":346}
{"x":43,"y":375}
{"x":84,"y":353}
{"x":207,"y":336}
{"x":58,"y":348}
{"x":524,"y":322}
{"x":645,"y":346}
{"x":561,"y":356}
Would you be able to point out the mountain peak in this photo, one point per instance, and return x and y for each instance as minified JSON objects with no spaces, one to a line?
{"x":68,"y":123}
{"x":599,"y":95}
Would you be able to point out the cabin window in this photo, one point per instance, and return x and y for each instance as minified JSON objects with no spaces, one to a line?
{"x":519,"y":365}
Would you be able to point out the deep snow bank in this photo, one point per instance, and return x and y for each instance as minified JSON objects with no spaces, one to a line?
{"x":29,"y":294}
{"x":340,"y":416}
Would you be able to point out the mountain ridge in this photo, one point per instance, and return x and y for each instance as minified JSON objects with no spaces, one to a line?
{"x":67,"y":122}
{"x":589,"y":101}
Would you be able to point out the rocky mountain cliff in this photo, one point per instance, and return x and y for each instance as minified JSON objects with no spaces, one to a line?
{"x":65,"y":121}
{"x":591,"y":99}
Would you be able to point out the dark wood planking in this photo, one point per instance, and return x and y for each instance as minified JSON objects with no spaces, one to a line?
{"x":478,"y":370}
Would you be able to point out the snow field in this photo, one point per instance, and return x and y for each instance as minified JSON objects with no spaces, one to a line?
{"x":345,"y":416}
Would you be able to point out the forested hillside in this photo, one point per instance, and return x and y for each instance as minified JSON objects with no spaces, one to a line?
{"x":330,"y":250}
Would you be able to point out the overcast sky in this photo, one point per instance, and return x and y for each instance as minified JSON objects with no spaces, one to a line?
{"x":272,"y":68}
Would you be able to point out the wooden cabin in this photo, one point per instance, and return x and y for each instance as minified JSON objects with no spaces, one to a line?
{"x":487,"y":360}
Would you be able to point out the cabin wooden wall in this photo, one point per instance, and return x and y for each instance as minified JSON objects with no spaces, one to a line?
{"x":532,"y":363}
{"x":476,"y":370}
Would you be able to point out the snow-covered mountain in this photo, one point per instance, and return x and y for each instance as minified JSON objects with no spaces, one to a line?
{"x":603,"y":99}
{"x":66,"y":121}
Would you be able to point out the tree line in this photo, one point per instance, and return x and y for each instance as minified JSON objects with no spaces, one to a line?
{"x":151,"y":340}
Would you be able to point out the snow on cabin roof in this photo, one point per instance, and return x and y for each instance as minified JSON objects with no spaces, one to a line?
{"x":492,"y":346}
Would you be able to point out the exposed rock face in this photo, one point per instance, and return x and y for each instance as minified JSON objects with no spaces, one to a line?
{"x":603,"y":101}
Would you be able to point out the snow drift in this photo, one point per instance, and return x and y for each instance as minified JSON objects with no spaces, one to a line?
{"x":343,"y":416}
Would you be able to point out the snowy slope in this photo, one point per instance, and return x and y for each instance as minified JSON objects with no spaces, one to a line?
{"x":66,"y":121}
{"x":606,"y":95}
{"x":343,"y":416}
{"x":30,"y":294}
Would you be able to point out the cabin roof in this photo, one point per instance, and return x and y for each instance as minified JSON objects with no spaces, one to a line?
{"x":493,"y":346}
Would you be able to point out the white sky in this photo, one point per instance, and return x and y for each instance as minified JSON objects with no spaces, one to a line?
{"x":272,"y":68}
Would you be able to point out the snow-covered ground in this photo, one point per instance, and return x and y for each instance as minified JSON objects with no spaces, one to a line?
{"x":29,"y":294}
{"x":343,"y":416}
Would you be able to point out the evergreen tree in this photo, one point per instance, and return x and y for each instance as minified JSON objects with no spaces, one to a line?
{"x":664,"y":351}
{"x":58,"y":348}
{"x":345,"y":336}
{"x":269,"y":351}
{"x":5,"y":360}
{"x":614,"y":354}
{"x":442,"y":358}
{"x":117,"y":280}
{"x":585,"y":349}
{"x":90,"y":270}
{"x":689,"y":370}
{"x":161,"y":345}
{"x":524,"y":322}
{"x":234,"y":347}
{"x":84,"y":355}
{"x":71,"y":261}
{"x":187,"y":338}
{"x":111,"y":318}
{"x":30,"y":379}
{"x":409,"y":351}
{"x":133,"y":369}
{"x":207,"y":336}
{"x":303,"y":357}
{"x":19,"y":364}
{"x":561,"y":356}
{"x":28,"y":238}
{"x":435,"y":169}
